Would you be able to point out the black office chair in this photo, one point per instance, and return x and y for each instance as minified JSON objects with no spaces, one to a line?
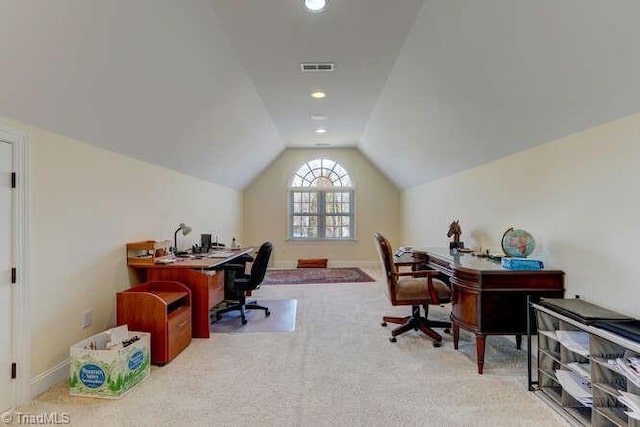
{"x":243,"y":283}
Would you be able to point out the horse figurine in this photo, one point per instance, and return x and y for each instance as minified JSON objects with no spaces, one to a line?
{"x":455,"y":231}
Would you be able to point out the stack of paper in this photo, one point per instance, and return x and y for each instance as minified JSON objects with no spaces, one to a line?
{"x":576,"y":385}
{"x":630,"y":367}
{"x":631,"y":401}
{"x":576,"y":341}
{"x":220,"y":254}
{"x":582,"y":369}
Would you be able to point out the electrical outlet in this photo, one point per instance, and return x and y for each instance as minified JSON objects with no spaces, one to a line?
{"x":85,"y":318}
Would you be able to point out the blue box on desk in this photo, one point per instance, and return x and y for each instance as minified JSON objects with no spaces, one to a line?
{"x":522,"y":264}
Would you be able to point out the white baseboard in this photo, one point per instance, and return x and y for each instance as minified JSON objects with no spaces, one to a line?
{"x":361,"y":264}
{"x":44,"y":381}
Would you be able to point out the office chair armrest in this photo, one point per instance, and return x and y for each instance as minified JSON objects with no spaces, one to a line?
{"x":418,"y":273}
{"x":428,"y":274}
{"x":403,"y":263}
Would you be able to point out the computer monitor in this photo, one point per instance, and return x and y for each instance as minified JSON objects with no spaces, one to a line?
{"x":205,"y":242}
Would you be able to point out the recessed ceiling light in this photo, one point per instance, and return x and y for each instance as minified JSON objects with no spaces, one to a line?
{"x":318,"y":117}
{"x":318,"y":95}
{"x":315,"y":5}
{"x":321,"y":130}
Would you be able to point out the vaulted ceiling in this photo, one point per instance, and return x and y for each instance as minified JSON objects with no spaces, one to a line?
{"x":213,"y":88}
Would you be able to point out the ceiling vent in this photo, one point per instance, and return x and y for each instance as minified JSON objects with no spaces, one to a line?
{"x":312,"y":67}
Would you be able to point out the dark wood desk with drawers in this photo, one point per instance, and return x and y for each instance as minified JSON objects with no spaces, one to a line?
{"x":486,"y":298}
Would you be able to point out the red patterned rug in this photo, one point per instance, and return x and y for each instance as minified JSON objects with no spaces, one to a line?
{"x":299,"y":276}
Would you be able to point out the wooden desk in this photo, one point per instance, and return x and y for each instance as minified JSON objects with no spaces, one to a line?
{"x":206,"y":284}
{"x":488,"y":299}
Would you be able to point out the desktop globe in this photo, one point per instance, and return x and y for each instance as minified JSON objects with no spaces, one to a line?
{"x":517,"y":243}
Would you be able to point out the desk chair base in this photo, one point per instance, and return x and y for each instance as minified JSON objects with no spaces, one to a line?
{"x":415,"y":322}
{"x":242,"y":307}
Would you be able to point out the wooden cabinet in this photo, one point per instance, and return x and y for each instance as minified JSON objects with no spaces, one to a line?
{"x":162,"y":308}
{"x":207,"y":290}
{"x":593,"y":369}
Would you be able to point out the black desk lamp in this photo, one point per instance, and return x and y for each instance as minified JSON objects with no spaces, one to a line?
{"x":185,"y":230}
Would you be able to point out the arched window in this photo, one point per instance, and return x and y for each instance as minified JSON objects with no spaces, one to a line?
{"x":321,"y":202}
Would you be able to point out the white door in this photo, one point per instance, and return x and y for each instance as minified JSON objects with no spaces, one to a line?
{"x":6,"y":261}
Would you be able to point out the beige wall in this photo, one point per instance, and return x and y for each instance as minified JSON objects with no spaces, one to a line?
{"x":578,"y":196}
{"x":377,"y":209}
{"x":86,"y":203}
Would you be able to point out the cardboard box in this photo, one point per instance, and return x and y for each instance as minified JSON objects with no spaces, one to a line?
{"x":99,"y":371}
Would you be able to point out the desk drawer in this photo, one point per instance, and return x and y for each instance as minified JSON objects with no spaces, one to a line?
{"x":216,"y":289}
{"x":179,"y":331}
{"x":465,"y":306}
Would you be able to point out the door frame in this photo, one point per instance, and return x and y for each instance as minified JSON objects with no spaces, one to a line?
{"x":21,"y":331}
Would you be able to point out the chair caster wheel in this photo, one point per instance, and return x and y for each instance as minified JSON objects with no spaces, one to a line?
{"x":244,"y":320}
{"x":383,"y":324}
{"x":437,"y":343}
{"x":267,"y":313}
{"x":447,"y":331}
{"x":392,"y":339}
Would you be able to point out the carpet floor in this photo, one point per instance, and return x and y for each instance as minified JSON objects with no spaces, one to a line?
{"x":281,"y":319}
{"x":298,"y":276}
{"x":336,"y":369}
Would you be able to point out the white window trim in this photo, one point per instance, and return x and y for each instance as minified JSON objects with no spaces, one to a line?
{"x":290,"y":212}
{"x":321,"y":226}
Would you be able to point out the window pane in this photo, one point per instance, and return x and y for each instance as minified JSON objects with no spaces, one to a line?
{"x":330,"y":196}
{"x":304,"y":202}
{"x":297,"y":181}
{"x":304,"y":170}
{"x":322,"y":182}
{"x":315,"y":164}
{"x":339,"y":170}
{"x":334,"y":178}
{"x":346,"y":181}
{"x":329,"y":164}
{"x":305,"y":227}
